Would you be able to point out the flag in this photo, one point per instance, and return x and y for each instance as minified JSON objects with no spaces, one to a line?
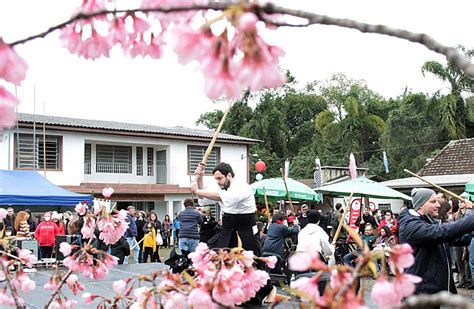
{"x":352,"y":166}
{"x":385,"y":162}
{"x":318,"y":177}
{"x":287,"y":167}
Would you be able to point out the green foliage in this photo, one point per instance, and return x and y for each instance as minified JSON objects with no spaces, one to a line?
{"x":452,"y":106}
{"x":332,"y":118}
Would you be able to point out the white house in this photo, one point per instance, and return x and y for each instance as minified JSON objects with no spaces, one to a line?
{"x":148,"y":166}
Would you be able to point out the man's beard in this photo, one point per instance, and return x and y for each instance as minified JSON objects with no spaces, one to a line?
{"x":226,"y":184}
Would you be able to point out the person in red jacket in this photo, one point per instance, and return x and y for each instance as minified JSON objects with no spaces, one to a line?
{"x":56,"y":218}
{"x":46,"y":233}
{"x":390,"y":222}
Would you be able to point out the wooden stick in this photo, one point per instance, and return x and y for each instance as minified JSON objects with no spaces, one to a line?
{"x":287,"y":192}
{"x":341,"y":221}
{"x":214,"y":138}
{"x":266,"y":205}
{"x":436,"y":186}
{"x":133,"y":247}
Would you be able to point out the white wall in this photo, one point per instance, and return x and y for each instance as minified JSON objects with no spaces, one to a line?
{"x":177,"y":158}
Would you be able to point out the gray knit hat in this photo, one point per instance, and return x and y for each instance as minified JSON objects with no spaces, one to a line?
{"x":419,"y":196}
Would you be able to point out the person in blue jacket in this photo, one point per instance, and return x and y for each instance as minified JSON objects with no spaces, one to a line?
{"x":430,"y":239}
{"x":176,"y":227}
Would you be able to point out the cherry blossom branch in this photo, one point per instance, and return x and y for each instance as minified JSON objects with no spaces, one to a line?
{"x":58,"y":289}
{"x":450,"y":53}
{"x":355,"y":275}
{"x":13,"y":291}
{"x":10,"y":255}
{"x":439,"y":299}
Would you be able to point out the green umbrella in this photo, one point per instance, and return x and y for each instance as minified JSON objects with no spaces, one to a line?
{"x":275,"y":188}
{"x":364,"y":187}
{"x":469,"y":189}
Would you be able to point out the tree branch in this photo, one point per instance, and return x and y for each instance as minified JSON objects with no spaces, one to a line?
{"x":451,"y":54}
{"x":69,"y":272}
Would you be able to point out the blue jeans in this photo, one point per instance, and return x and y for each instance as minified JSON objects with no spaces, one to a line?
{"x":188,"y":244}
{"x":132,"y":242}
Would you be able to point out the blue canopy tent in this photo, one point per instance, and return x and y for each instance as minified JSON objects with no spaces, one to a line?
{"x":28,"y":188}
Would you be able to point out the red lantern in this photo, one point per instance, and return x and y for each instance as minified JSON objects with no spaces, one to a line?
{"x":260,"y":166}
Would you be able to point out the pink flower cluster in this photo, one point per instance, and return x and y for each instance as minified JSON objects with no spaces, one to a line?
{"x":386,"y":293}
{"x":227,"y":278}
{"x":19,"y":281}
{"x":92,"y":263}
{"x":230,"y":63}
{"x":13,"y":70}
{"x":112,"y":227}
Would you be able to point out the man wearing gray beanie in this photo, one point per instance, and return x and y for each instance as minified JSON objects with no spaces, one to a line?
{"x":430,"y":241}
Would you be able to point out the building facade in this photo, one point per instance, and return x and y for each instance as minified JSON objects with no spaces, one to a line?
{"x":150,"y":167}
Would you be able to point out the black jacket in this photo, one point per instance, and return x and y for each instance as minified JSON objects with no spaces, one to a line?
{"x":120,"y":249}
{"x":367,"y":219}
{"x":208,"y":229}
{"x":429,"y":239}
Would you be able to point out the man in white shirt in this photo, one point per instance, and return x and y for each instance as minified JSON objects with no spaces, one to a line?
{"x":237,"y":203}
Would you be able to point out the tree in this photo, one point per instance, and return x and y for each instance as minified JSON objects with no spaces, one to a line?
{"x":452,"y":106}
{"x":413,"y":133}
{"x":348,"y":125}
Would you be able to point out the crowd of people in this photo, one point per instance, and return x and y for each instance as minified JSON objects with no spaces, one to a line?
{"x":438,"y":230}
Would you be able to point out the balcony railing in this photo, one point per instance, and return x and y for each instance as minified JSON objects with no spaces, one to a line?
{"x":161,"y":171}
{"x":115,"y":168}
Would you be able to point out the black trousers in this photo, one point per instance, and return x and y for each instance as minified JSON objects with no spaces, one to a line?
{"x":233,"y":225}
{"x":46,"y":252}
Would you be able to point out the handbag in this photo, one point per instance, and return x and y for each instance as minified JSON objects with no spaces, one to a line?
{"x":159,"y":239}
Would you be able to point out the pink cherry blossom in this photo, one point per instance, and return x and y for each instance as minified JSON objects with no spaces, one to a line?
{"x":404,"y":284}
{"x":270,"y":261}
{"x":24,"y":282}
{"x":71,"y":38}
{"x":12,"y":67}
{"x":200,"y":298}
{"x":339,"y":278}
{"x":3,"y":213}
{"x":112,"y":227}
{"x":401,"y":257}
{"x":107,"y":192}
{"x":74,"y":284}
{"x":26,"y":257}
{"x":88,"y":228}
{"x":383,"y":293}
{"x":95,"y":46}
{"x":309,"y":286}
{"x":120,"y":285}
{"x":190,"y":44}
{"x":248,"y":21}
{"x":8,"y":104}
{"x":50,"y":285}
{"x":88,"y":298}
{"x":65,"y":248}
{"x":117,"y":31}
{"x":81,"y":209}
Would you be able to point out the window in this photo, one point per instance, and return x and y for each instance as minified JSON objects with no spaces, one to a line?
{"x":87,"y":159}
{"x":114,"y":159}
{"x":139,"y":161}
{"x":36,"y":152}
{"x":149,"y":161}
{"x":195,"y":155}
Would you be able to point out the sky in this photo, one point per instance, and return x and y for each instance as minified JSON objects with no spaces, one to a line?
{"x":163,"y":92}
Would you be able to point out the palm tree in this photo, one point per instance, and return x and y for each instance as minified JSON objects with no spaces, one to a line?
{"x":452,"y":107}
